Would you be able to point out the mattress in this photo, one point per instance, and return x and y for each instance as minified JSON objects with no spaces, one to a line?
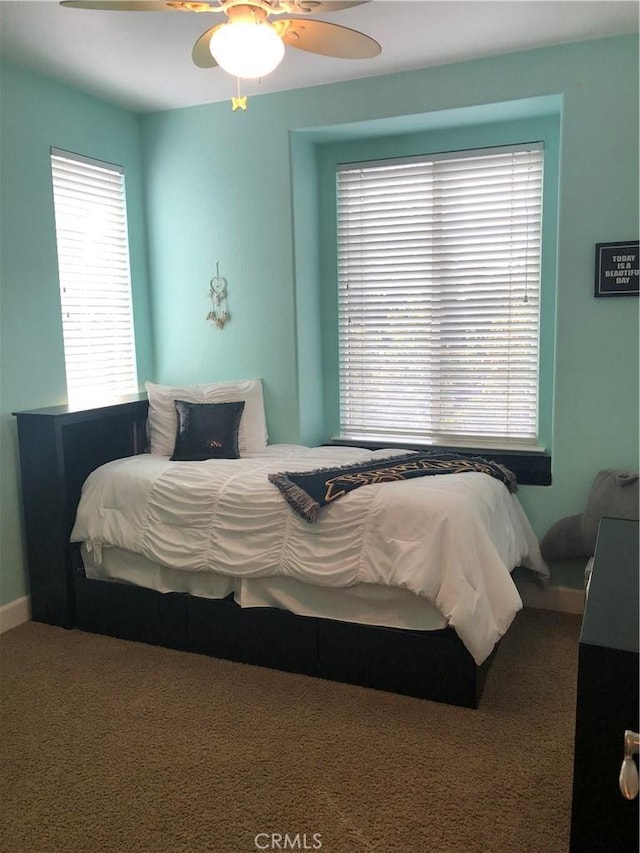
{"x":449,"y":540}
{"x":364,"y":604}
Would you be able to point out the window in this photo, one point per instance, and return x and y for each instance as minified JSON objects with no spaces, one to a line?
{"x":439,"y":298}
{"x":95,"y":282}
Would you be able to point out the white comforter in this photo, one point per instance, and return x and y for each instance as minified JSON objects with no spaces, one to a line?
{"x":452,"y":539}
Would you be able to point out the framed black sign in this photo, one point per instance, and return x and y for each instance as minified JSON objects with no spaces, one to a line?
{"x":617,"y":269}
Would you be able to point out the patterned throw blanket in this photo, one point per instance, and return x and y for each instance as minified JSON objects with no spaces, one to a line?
{"x":308,"y":491}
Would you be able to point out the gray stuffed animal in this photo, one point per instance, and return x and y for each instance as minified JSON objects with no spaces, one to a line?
{"x":614,"y":494}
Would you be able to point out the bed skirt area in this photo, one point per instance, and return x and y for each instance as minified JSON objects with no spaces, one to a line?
{"x":431,"y":665}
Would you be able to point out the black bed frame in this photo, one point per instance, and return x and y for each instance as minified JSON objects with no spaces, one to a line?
{"x":59,"y":447}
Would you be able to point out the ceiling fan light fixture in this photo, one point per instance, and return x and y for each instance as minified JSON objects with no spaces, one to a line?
{"x":247,"y":49}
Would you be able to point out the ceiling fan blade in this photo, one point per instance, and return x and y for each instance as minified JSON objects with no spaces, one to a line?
{"x":115,"y":6}
{"x":201,"y":54}
{"x":141,"y":5}
{"x":326,"y":39}
{"x":322,"y":7}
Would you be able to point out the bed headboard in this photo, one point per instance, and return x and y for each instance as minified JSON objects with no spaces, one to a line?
{"x":59,"y":447}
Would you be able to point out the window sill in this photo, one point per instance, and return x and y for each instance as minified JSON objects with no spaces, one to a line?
{"x":531,"y":467}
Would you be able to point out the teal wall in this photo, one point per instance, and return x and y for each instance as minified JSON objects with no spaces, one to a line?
{"x":243,"y":189}
{"x":37,"y":114}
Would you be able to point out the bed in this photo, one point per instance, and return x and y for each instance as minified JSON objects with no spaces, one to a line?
{"x":402,"y":586}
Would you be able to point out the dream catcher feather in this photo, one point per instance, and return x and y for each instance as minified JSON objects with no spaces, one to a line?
{"x":219,"y":313}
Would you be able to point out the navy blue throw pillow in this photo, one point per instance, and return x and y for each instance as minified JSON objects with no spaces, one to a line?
{"x":207,"y":431}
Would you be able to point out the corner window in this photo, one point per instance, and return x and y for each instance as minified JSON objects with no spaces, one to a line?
{"x":95,"y":281}
{"x":439,"y":298}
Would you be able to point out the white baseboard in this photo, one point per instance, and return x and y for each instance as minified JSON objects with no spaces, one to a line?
{"x":562,"y":598}
{"x":15,"y":613}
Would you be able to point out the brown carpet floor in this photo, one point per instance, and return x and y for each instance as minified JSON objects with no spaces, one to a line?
{"x":115,"y":746}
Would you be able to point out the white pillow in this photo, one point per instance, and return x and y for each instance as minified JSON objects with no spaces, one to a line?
{"x":163,"y":418}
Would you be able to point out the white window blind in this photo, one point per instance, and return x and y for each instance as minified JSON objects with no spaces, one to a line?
{"x":95,"y":281}
{"x":439,"y":297}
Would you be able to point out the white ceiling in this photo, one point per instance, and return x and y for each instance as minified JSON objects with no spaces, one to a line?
{"x":142,"y":60}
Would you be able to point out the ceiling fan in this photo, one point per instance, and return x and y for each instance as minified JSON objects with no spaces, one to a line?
{"x":250,"y":44}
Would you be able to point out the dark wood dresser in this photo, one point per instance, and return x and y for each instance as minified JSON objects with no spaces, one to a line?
{"x":602,"y":820}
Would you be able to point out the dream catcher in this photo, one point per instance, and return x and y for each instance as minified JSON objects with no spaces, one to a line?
{"x":219,"y":313}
